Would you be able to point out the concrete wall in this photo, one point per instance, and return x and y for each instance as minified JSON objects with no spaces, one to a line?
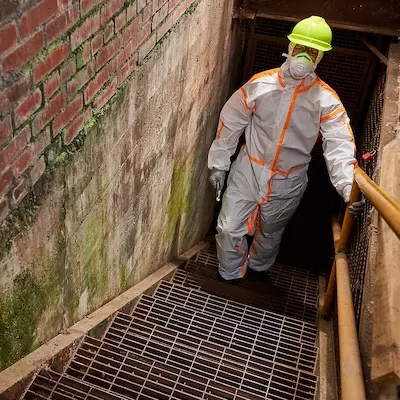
{"x":106,"y":206}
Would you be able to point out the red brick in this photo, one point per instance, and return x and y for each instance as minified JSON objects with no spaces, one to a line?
{"x":37,"y":170}
{"x":141,"y":36}
{"x":6,"y":179}
{"x":173,"y":4}
{"x":20,"y":191}
{"x":36,"y":16}
{"x":97,"y":43}
{"x":83,"y":56}
{"x":140,"y":5}
{"x":53,"y":60}
{"x":159,"y":16}
{"x":27,"y":107}
{"x":149,"y":11}
{"x":178,"y":11}
{"x":63,"y":4}
{"x":109,"y":32}
{"x":70,"y":112}
{"x":49,"y":112}
{"x":77,"y":126}
{"x":87,"y":5}
{"x":14,"y":93}
{"x":51,"y":85}
{"x":80,"y":80}
{"x":58,"y":26}
{"x":5,"y":130}
{"x":131,"y":11}
{"x":14,"y":148}
{"x":23,"y":161}
{"x":120,"y":21}
{"x":119,"y":60}
{"x":131,"y":30}
{"x":89,"y":27}
{"x":106,"y":94}
{"x":147,"y":47}
{"x":33,"y":151}
{"x":107,"y":52}
{"x":68,"y":70}
{"x":111,"y":8}
{"x":4,"y":208}
{"x":8,"y":35}
{"x":96,"y":84}
{"x":126,"y":70}
{"x":164,"y":27}
{"x":23,"y":53}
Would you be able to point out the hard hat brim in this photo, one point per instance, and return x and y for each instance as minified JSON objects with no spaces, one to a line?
{"x":309,"y":42}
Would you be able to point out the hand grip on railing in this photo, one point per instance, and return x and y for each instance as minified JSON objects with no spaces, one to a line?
{"x":387,"y":206}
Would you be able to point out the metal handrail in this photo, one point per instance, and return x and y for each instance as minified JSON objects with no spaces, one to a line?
{"x":389,"y":209}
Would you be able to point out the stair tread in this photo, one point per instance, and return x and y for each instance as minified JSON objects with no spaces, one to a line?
{"x":272,"y":298}
{"x":256,"y":318}
{"x":210,"y":360}
{"x":270,"y":345}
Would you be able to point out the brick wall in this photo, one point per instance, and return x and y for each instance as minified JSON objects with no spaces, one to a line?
{"x":61,"y":62}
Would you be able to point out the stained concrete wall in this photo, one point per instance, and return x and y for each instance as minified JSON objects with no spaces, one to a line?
{"x":129,"y":194}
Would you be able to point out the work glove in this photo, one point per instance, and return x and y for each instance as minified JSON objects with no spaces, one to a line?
{"x":356,"y":208}
{"x":217,"y":178}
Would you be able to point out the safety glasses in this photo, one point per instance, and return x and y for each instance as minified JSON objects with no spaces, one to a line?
{"x":298,"y":49}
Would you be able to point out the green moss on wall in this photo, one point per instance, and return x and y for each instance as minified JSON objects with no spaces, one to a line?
{"x":20,"y":311}
{"x":181,"y":197}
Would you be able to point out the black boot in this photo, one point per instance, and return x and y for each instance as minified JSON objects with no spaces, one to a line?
{"x":259,"y":276}
{"x":230,"y":281}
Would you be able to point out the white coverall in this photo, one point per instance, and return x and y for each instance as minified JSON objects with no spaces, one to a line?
{"x":282,"y":118}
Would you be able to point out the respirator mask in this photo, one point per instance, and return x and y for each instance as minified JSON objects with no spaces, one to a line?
{"x":302,"y":60}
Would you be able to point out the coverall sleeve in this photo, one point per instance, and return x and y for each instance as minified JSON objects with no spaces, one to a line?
{"x":338,"y":145}
{"x":235,"y":116}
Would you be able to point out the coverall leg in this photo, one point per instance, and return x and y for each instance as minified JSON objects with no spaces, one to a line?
{"x":243,"y":211}
{"x":236,"y":219}
{"x":273,"y":217}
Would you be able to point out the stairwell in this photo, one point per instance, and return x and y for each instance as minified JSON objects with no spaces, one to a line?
{"x":198,"y":338}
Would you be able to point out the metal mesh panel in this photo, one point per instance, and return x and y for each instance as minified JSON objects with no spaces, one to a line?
{"x":223,"y":365}
{"x":369,"y":141}
{"x":257,"y":318}
{"x":358,"y":250}
{"x":267,"y":345}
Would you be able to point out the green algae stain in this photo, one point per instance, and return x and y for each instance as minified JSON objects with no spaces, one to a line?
{"x":20,"y":311}
{"x":181,"y":198}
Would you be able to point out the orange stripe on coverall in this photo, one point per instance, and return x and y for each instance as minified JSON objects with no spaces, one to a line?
{"x":245,"y":98}
{"x":220,"y":130}
{"x":332,"y":114}
{"x":242,"y":270}
{"x":280,"y":143}
{"x":264,"y":74}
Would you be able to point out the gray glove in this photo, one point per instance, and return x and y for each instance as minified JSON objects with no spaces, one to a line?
{"x":357,"y":208}
{"x":217,"y":177}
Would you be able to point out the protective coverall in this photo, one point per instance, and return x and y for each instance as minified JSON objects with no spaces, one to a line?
{"x":281,"y":118}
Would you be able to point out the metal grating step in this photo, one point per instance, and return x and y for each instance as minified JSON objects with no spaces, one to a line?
{"x":51,"y":385}
{"x":138,"y":377}
{"x":293,"y":282}
{"x":227,"y":366}
{"x":270,"y":298}
{"x":268,"y":345}
{"x":256,"y":318}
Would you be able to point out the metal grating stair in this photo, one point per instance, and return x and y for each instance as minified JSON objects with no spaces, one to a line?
{"x":197,"y":338}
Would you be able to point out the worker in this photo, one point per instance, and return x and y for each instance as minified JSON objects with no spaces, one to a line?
{"x":281,"y":112}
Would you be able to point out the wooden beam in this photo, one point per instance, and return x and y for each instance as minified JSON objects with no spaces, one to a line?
{"x":374,"y":50}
